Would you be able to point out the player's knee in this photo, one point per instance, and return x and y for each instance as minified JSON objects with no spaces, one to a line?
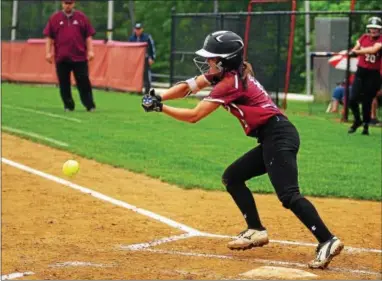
{"x":290,"y":199}
{"x":228,"y":181}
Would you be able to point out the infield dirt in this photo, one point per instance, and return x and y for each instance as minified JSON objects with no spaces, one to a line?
{"x":60,"y":233}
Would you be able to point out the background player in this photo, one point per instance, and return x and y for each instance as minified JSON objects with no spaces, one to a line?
{"x":367,"y":77}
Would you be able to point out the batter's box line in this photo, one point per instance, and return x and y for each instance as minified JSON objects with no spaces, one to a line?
{"x":256,"y":260}
{"x":190,"y":232}
{"x":140,"y":246}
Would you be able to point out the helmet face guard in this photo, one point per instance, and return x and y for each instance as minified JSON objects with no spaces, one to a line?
{"x":203,"y":65}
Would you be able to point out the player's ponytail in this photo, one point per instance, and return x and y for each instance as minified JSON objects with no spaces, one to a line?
{"x":244,"y":71}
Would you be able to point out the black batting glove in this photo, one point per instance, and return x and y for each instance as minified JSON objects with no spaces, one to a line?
{"x":152,"y":93}
{"x":352,"y":54}
{"x":152,"y":102}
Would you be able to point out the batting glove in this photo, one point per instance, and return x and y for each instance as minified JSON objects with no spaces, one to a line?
{"x":352,"y":54}
{"x":152,"y":102}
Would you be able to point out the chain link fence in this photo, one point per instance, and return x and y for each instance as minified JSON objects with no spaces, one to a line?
{"x":268,"y":42}
{"x":33,"y":15}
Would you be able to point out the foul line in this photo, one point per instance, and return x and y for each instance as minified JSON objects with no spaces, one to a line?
{"x":43,"y":113}
{"x":263,"y":261}
{"x":16,"y":275}
{"x":37,"y":136}
{"x":190,"y":232}
{"x":103,"y":197}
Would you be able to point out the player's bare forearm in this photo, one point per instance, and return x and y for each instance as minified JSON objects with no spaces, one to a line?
{"x":48,"y":45}
{"x":181,"y":114}
{"x":369,"y":50}
{"x":192,"y":85}
{"x":203,"y":109}
{"x":89,"y":44}
{"x":176,"y":92}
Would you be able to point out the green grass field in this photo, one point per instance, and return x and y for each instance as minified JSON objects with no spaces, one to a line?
{"x":331,"y":162}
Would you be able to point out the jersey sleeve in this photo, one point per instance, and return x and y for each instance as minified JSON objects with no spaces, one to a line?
{"x":89,"y":29}
{"x":224,"y":93}
{"x":48,"y":30}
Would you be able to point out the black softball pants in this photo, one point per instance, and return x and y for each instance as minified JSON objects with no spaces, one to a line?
{"x":276,"y":156}
{"x":81,"y":75}
{"x":365,"y":87}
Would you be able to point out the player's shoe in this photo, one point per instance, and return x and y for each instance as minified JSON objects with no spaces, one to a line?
{"x":365,"y":130}
{"x":248,"y":239}
{"x":354,"y":127}
{"x":325,"y":252}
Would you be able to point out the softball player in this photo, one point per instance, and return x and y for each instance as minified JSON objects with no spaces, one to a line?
{"x":235,"y":88}
{"x":367,"y":78}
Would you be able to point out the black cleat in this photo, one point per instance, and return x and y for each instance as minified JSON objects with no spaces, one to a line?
{"x":354,"y":127}
{"x":365,"y":131}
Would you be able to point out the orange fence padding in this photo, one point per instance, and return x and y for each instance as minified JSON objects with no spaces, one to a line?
{"x":117,"y":65}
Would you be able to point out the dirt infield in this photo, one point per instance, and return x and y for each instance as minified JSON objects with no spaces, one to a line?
{"x":56,"y":232}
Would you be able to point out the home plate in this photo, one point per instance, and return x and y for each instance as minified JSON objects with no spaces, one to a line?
{"x":274,"y":272}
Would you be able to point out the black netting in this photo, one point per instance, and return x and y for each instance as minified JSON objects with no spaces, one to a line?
{"x":267,"y":49}
{"x":6,"y":20}
{"x":34,"y":14}
{"x":96,"y":11}
{"x":268,"y":44}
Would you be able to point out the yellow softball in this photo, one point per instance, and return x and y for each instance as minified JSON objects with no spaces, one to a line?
{"x":70,"y":168}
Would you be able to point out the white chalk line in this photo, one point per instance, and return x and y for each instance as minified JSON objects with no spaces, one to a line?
{"x":34,"y":135}
{"x":297,"y":243}
{"x":140,"y":246}
{"x":169,"y":222}
{"x":79,"y":264}
{"x":43,"y":113}
{"x":103,"y":197}
{"x":16,"y":275}
{"x":255,"y":260}
{"x":190,"y":232}
{"x":210,"y":235}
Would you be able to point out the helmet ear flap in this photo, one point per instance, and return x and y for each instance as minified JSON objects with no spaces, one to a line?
{"x":234,"y":61}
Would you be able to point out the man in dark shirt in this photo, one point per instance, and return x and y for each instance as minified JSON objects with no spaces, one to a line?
{"x":71,"y":34}
{"x":139,"y":36}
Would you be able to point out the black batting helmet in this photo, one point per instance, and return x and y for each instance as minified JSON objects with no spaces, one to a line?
{"x":226,"y":45}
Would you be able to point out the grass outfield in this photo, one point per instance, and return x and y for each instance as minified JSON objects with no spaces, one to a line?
{"x":331,"y":162}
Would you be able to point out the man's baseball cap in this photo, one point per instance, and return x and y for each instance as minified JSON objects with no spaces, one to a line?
{"x":69,"y":1}
{"x":138,"y":25}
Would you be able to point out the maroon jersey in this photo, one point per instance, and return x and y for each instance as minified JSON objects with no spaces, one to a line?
{"x":369,"y":61}
{"x":252,"y":106}
{"x":69,"y":34}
